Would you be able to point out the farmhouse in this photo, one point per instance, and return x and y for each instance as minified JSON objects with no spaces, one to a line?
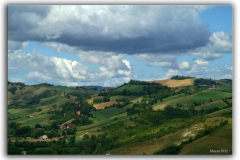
{"x":68,"y":126}
{"x":63,"y":127}
{"x":43,"y":137}
{"x":71,"y":126}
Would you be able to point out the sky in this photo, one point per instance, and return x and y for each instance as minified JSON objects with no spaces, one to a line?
{"x":108,"y":45}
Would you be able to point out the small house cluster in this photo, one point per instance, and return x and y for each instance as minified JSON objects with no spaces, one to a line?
{"x":206,"y":86}
{"x":68,"y":126}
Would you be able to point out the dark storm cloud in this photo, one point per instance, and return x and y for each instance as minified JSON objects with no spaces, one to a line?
{"x":123,"y":29}
{"x":42,"y":11}
{"x":23,"y":18}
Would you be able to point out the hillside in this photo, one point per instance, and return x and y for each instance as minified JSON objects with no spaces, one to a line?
{"x":175,"y":83}
{"x":124,"y":120}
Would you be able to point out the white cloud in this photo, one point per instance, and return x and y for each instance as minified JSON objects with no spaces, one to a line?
{"x":127,"y":63}
{"x":171,"y":72}
{"x":47,"y":68}
{"x":159,"y":60}
{"x":111,"y":64}
{"x":184,"y":65}
{"x":201,"y":62}
{"x":225,"y":67}
{"x":162,"y":64}
{"x":219,"y":43}
{"x":208,"y":55}
{"x":62,"y":71}
{"x":199,"y":66}
{"x":201,"y":69}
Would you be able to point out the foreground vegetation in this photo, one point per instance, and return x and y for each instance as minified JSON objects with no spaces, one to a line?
{"x":135,"y":118}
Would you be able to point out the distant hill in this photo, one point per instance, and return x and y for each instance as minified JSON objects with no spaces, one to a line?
{"x":97,"y":87}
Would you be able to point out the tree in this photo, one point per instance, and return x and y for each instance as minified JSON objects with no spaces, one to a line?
{"x":72,"y":140}
{"x":38,"y":126}
{"x":210,"y":100}
{"x":54,"y":125}
{"x":37,"y":133}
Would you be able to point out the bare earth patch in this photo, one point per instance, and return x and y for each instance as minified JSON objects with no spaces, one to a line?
{"x":175,"y":83}
{"x":103,"y":105}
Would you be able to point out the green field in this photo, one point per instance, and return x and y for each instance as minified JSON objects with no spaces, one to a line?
{"x":97,"y":125}
{"x":220,"y":104}
{"x":109,"y":112}
{"x":22,"y":112}
{"x":203,"y":97}
{"x":229,"y":88}
{"x":114,"y":98}
{"x":63,"y":88}
{"x":219,"y":113}
{"x":41,"y":119}
{"x":50,"y":100}
{"x":171,"y":97}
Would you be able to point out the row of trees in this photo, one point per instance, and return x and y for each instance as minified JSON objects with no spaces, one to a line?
{"x":118,"y":105}
{"x":177,"y":77}
{"x":17,"y":84}
{"x":201,"y":81}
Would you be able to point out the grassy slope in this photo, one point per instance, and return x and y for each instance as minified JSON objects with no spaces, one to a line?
{"x":224,"y":87}
{"x":156,"y":144}
{"x":133,"y":88}
{"x":217,"y":140}
{"x":21,"y":114}
{"x":219,"y":104}
{"x":109,"y":112}
{"x":202,"y":97}
{"x":92,"y":129}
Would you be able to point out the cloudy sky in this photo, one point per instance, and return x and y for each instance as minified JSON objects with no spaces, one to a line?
{"x":108,"y":45}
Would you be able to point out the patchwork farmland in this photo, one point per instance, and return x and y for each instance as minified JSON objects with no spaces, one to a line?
{"x":136,"y":118}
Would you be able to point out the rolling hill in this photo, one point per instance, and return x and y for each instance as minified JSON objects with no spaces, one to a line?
{"x":139,"y":118}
